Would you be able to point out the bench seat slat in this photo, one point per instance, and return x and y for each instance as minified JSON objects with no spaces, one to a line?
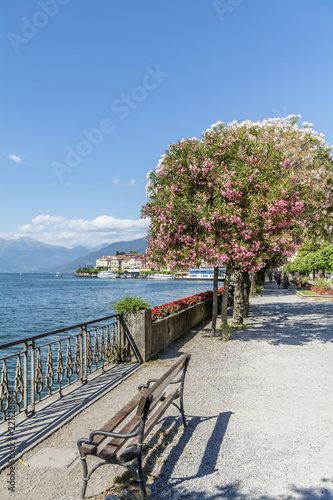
{"x":136,"y":419}
{"x":115,"y":444}
{"x":164,"y":381}
{"x":153,"y":419}
{"x":112,"y":424}
{"x":158,"y":414}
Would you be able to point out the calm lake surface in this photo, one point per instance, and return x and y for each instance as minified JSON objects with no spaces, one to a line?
{"x":36,"y":303}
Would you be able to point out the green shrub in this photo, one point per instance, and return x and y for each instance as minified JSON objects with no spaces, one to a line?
{"x":260,"y":286}
{"x":130,"y":304}
{"x":322,"y":283}
{"x":305,"y":279}
{"x":89,"y":270}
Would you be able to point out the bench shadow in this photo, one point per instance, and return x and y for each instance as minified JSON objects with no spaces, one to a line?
{"x":208,"y":461}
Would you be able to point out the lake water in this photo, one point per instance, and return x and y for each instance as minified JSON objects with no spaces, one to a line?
{"x":36,"y":303}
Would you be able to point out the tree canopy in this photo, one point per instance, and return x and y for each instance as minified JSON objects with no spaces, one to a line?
{"x":313,"y":258}
{"x":241,"y":194}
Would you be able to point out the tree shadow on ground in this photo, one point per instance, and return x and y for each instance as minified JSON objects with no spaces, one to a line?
{"x":289,"y":323}
{"x":231,"y":491}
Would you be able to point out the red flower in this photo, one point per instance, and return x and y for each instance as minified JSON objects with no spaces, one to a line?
{"x":179,"y":305}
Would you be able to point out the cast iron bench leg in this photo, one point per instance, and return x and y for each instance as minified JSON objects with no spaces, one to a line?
{"x":141,"y":480}
{"x":85,"y":475}
{"x":182,"y":412}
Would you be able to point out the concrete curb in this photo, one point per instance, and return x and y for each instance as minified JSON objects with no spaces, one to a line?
{"x":314,"y":298}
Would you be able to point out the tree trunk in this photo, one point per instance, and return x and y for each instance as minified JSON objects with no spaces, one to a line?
{"x":224,"y":312}
{"x":246,"y":293}
{"x":237,"y":318}
{"x":253,"y":285}
{"x":215,"y":300}
{"x":261,"y":275}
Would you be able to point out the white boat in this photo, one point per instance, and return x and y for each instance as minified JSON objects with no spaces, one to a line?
{"x":58,"y":275}
{"x":161,"y":276}
{"x":107,"y":274}
{"x":205,"y":274}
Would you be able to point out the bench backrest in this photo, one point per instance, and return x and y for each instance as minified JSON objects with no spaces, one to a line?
{"x":157,"y":389}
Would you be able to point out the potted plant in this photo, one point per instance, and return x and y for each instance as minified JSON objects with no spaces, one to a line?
{"x":132,"y":312}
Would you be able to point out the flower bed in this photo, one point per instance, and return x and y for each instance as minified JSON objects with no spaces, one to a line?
{"x":160,"y":312}
{"x":306,"y":285}
{"x":322,"y":291}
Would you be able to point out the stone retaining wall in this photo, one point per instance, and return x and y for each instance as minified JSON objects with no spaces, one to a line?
{"x":167,"y":330}
{"x":150,"y":337}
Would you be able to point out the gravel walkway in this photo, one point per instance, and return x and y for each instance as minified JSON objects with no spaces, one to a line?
{"x":259,"y":409}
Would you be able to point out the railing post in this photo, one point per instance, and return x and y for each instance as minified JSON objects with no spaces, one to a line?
{"x":81,"y":355}
{"x":120,"y":340}
{"x":29,"y":378}
{"x":33,"y":376}
{"x":85,"y":346}
{"x":25,"y":378}
{"x":118,"y":331}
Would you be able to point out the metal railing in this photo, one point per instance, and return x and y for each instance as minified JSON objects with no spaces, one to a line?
{"x":33,"y":370}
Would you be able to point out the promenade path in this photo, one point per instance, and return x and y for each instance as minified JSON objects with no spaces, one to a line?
{"x":259,"y":409}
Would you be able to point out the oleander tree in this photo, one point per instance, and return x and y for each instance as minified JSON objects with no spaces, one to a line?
{"x":200,"y":209}
{"x":178,"y":236}
{"x":236,"y":197}
{"x":290,"y":191}
{"x":307,"y":163}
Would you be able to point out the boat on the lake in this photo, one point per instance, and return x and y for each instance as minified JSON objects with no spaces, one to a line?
{"x":107,"y":274}
{"x":205,"y":274}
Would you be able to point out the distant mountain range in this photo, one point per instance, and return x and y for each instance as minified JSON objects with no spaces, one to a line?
{"x":89,"y":259}
{"x":29,"y":255}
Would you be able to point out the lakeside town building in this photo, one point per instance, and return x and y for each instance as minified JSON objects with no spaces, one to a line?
{"x":122,"y":262}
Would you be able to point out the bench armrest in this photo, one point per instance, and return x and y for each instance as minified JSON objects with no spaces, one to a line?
{"x":180,"y":379}
{"x":147,"y":385}
{"x":113,"y":434}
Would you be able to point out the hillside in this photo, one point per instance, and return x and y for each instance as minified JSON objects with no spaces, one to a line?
{"x":29,"y":255}
{"x":89,"y":259}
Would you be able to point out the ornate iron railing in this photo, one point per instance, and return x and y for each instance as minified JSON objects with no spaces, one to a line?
{"x":41,"y":369}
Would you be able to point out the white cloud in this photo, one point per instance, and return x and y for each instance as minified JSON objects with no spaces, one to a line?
{"x":58,"y":230}
{"x":15,"y":158}
{"x":41,"y":222}
{"x":132,"y":182}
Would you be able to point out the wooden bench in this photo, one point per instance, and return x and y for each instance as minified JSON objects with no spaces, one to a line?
{"x":138,"y":417}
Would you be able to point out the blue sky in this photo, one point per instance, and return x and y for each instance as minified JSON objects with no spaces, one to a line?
{"x":93,"y":92}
